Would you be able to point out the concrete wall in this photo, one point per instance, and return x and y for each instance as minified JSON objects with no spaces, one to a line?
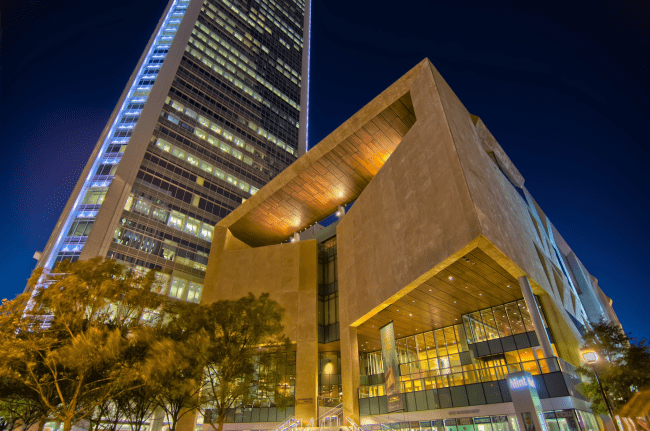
{"x":438,"y":193}
{"x":289,"y":272}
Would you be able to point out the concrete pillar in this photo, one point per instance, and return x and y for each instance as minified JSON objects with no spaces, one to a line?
{"x":296,"y":237}
{"x":157,"y":419}
{"x":350,"y":373}
{"x":187,"y":422}
{"x":536,"y":317}
{"x":306,"y":381}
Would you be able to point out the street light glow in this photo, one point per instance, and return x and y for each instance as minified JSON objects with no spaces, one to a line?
{"x":590,"y":357}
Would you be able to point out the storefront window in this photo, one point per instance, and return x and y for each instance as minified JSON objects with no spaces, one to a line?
{"x":566,"y":420}
{"x":466,"y":424}
{"x":450,"y":425}
{"x":483,"y":424}
{"x":500,"y":423}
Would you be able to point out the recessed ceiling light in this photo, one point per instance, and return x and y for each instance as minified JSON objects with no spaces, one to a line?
{"x":480,"y":294}
{"x":455,"y":302}
{"x":451,"y":278}
{"x":430,"y":290}
{"x":410,"y":315}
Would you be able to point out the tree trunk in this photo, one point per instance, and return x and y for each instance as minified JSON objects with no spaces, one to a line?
{"x":67,"y":425}
{"x":222,"y":418}
{"x":41,"y":423}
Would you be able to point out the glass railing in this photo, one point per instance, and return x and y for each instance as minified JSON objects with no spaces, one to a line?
{"x":445,"y":378}
{"x":329,"y":401}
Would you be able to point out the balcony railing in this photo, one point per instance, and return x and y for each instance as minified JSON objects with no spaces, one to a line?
{"x":445,"y":377}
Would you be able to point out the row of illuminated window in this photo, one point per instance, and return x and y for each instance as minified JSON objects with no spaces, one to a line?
{"x":281,"y":9}
{"x":205,"y":60}
{"x":174,"y":286}
{"x":447,"y":378}
{"x":257,"y":25}
{"x":258,"y":22}
{"x":208,"y":62}
{"x":289,"y":68}
{"x":166,"y":249}
{"x":216,"y":128}
{"x":174,"y":219}
{"x":280,"y":24}
{"x":242,"y":66}
{"x":286,"y":73}
{"x":497,"y":322}
{"x":205,"y":166}
{"x":247,"y":39}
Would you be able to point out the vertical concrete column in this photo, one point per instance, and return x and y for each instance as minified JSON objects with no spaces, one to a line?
{"x":306,"y":381}
{"x":536,"y":317}
{"x":157,"y":419}
{"x":306,"y":335}
{"x":350,"y":373}
{"x":188,"y":421}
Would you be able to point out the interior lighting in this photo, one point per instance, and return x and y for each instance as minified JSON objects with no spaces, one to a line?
{"x":451,"y":278}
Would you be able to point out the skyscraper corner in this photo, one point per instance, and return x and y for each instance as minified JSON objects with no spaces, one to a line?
{"x":215,"y":108}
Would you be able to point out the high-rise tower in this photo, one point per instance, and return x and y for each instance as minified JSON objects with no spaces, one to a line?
{"x":216,"y":108}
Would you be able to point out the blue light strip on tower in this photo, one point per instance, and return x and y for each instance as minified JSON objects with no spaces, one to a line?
{"x":117,"y":138}
{"x":307,"y":81}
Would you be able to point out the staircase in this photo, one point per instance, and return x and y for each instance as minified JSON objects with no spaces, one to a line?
{"x":288,"y":424}
{"x":331,"y":418}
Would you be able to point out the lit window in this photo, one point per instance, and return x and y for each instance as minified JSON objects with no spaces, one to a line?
{"x":177,"y":288}
{"x":190,"y":113}
{"x":142,"y":207}
{"x":204,"y":121}
{"x":206,"y":232}
{"x":192,"y":160}
{"x":206,"y":167}
{"x":192,"y":226}
{"x":179,"y":153}
{"x":177,"y":220}
{"x":163,"y":145}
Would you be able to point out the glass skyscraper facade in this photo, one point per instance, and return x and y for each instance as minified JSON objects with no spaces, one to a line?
{"x":216,"y":108}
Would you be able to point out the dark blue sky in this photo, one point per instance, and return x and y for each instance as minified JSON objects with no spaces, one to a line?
{"x":563,"y":86}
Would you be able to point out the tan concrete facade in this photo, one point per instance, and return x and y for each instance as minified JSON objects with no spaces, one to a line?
{"x":441,"y":207}
{"x":289,"y":273}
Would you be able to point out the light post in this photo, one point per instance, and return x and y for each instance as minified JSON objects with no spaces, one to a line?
{"x":591,"y":358}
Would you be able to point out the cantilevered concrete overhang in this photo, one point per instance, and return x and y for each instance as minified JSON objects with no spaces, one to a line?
{"x":473,"y":282}
{"x":333,"y":172}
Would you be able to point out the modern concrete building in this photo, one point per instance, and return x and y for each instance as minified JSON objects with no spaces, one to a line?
{"x":216,"y":107}
{"x":436,"y":233}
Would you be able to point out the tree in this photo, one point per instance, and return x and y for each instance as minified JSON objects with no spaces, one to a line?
{"x":70,"y":344}
{"x":176,"y":361}
{"x":623,"y":366}
{"x":246,"y":340}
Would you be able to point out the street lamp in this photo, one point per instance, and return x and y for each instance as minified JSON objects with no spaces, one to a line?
{"x":591,"y":358}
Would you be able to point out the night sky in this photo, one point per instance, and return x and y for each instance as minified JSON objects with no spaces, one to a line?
{"x":563,"y":86}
